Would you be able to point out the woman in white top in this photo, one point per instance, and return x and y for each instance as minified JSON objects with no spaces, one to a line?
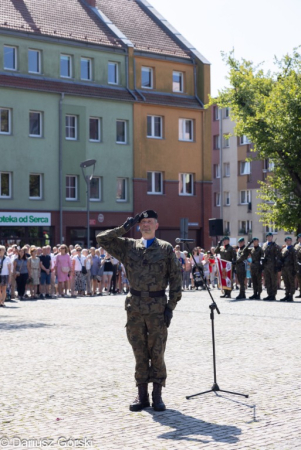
{"x":5,"y":274}
{"x":80,"y":278}
{"x":86,"y":254}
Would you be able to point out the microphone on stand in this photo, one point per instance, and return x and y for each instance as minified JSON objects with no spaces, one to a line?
{"x":180,"y":241}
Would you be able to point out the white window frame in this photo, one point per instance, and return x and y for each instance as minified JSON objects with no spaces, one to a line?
{"x":217,"y":199}
{"x":181,"y":82}
{"x":217,"y":170}
{"x":151,"y":72}
{"x":99,"y":129}
{"x":116,"y":67}
{"x":69,"y":127}
{"x":40,"y":124}
{"x":98,"y":199}
{"x":39,"y":60}
{"x":245,"y":168}
{"x":216,"y":113}
{"x":83,"y":58}
{"x":226,"y":142}
{"x":227,"y":113}
{"x":183,"y":183}
{"x":70,"y":59}
{"x":15,"y":57}
{"x":248,"y":197}
{"x":227,"y":201}
{"x":40,"y":186}
{"x":153,"y":119}
{"x":9,"y":185}
{"x":9,"y":121}
{"x":227,"y":227}
{"x":245,"y":226}
{"x":182,"y":130}
{"x":216,"y":142}
{"x":153,"y":183}
{"x":71,"y":199}
{"x":125,"y":189}
{"x":271,"y":228}
{"x":125,"y":132}
{"x":226,"y":169}
{"x":244,"y":140}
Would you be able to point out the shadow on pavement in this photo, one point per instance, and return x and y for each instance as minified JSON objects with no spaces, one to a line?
{"x":186,"y":427}
{"x":11,"y":326}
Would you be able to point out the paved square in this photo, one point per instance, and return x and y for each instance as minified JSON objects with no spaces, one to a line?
{"x":67,"y":372}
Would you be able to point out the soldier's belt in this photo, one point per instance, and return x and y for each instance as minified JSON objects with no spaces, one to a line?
{"x":147,"y":294}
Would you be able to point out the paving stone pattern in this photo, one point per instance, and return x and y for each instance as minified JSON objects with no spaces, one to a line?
{"x":67,"y":371}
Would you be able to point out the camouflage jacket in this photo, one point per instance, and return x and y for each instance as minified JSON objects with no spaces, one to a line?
{"x":256,"y":255}
{"x":298,"y":251}
{"x":242,"y":255}
{"x":227,"y":253}
{"x":271,"y":254}
{"x":288,"y":258}
{"x":147,"y":269}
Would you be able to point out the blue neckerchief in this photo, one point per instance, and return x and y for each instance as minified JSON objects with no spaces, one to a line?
{"x":289,"y":246}
{"x":270,"y":243}
{"x":149,"y":242}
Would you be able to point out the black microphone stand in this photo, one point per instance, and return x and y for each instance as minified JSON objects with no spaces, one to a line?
{"x":213,"y":306}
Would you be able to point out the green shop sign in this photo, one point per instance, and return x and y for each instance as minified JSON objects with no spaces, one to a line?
{"x":25,"y":219}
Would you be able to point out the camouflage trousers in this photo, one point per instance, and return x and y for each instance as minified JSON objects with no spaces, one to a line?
{"x":289,"y":280}
{"x":241,"y":276}
{"x":270,"y":280}
{"x":256,"y":274}
{"x":299,"y":282}
{"x":147,"y":334}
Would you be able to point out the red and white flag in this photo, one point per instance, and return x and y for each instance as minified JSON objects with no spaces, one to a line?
{"x":225,"y":273}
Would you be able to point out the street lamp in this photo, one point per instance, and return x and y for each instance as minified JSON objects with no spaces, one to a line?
{"x":88,"y":172}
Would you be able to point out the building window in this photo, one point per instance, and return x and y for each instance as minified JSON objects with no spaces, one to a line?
{"x":86,"y":69}
{"x":227,"y":229}
{"x":271,"y":228}
{"x":35,"y":186}
{"x":71,"y":187}
{"x":95,"y":189}
{"x":245,"y":197}
{"x":154,"y":127}
{"x":5,"y":185}
{"x":66,"y":66}
{"x":268,"y":165}
{"x":186,"y":130}
{"x":71,"y":127}
{"x":245,"y":227}
{"x":217,"y":170}
{"x":177,"y":81}
{"x":121,"y":192}
{"x":217,"y":199}
{"x":154,"y":183}
{"x":185,"y":184}
{"x":10,"y":58}
{"x":121,"y":132}
{"x":34,"y":61}
{"x":216,"y":142}
{"x":5,"y":121}
{"x":244,"y":140}
{"x":216,"y":113}
{"x":226,"y":141}
{"x":35,"y":124}
{"x":226,"y":169}
{"x":227,"y":198}
{"x":112,"y":73}
{"x":245,"y":167}
{"x":147,"y":78}
{"x":94,"y":129}
{"x":226,"y":113}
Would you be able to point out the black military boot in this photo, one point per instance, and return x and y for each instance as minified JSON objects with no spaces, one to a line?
{"x":228,"y":294}
{"x":284,"y":299}
{"x":158,"y":403}
{"x":257,"y":296}
{"x":240,"y":296}
{"x":267,"y":298}
{"x":142,"y":399}
{"x":253,"y":296}
{"x":289,"y":298}
{"x":272,"y":298}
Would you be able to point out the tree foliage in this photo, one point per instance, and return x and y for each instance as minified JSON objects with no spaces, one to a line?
{"x":266,"y":107}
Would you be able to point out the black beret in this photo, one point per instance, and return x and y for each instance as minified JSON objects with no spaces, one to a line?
{"x":148,"y":214}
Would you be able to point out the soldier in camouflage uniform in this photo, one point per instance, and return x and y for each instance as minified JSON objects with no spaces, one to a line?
{"x":271,"y":253}
{"x":242,"y":255}
{"x":256,"y":269}
{"x":298,"y":256}
{"x":226,"y":252}
{"x":150,"y":266}
{"x":289,"y":269}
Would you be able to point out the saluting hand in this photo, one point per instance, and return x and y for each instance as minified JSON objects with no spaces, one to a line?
{"x":130,"y":222}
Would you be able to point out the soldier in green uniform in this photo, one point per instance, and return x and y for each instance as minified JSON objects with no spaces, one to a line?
{"x":256,"y":269}
{"x":242,"y":255}
{"x":226,"y":252}
{"x":298,"y":256}
{"x":271,"y":253}
{"x":150,"y":265}
{"x":289,"y":269}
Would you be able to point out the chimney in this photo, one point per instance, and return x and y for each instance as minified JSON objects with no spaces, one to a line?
{"x":91,"y":3}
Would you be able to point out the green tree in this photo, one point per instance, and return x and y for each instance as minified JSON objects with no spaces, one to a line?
{"x":267,"y":109}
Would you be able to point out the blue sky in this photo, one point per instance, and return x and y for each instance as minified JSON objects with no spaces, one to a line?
{"x":257,"y":30}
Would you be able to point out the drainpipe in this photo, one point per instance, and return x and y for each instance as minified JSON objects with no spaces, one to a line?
{"x":61,"y":167}
{"x":221,"y":162}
